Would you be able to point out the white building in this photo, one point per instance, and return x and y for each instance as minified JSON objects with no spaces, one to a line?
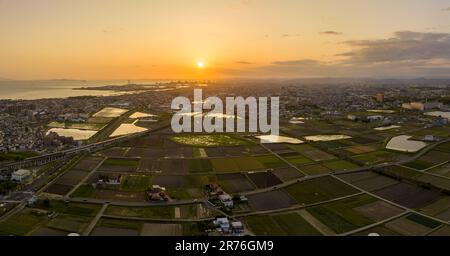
{"x":222,"y":224}
{"x":21,"y":175}
{"x":226,"y":200}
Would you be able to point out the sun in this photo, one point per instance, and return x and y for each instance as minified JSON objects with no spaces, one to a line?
{"x":200,"y":64}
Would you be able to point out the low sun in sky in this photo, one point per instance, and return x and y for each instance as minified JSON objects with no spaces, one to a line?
{"x":200,"y":64}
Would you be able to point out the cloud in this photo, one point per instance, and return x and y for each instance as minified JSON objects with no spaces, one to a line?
{"x":446,"y":9}
{"x":109,"y":30}
{"x":302,"y":62}
{"x":289,"y":35}
{"x":403,"y":46}
{"x":404,"y":54}
{"x":331,"y":32}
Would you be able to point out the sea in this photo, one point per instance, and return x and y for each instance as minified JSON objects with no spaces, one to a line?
{"x":32,"y":90}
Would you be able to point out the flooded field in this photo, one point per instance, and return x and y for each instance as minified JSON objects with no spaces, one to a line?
{"x":126,"y":129}
{"x":76,"y":134}
{"x":110,"y":112}
{"x":439,"y":113}
{"x":385,"y":128}
{"x":383,"y":111}
{"x":137,"y":115}
{"x":404,"y":144}
{"x":327,"y":137}
{"x":267,"y":139}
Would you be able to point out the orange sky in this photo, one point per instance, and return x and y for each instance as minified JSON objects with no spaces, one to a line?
{"x":137,"y":39}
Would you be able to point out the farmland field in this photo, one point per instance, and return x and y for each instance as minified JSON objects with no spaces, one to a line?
{"x":287,"y":173}
{"x":210,"y":140}
{"x":288,"y":224}
{"x":319,"y":189}
{"x":271,"y":161}
{"x":318,"y":155}
{"x":375,"y":157}
{"x":58,"y":189}
{"x":340,"y":216}
{"x":69,"y":223}
{"x":121,"y":162}
{"x":234,"y":182}
{"x":68,"y":208}
{"x":295,"y":225}
{"x":119,"y":165}
{"x":264,"y":225}
{"x":161,"y":229}
{"x":277,"y":199}
{"x":199,"y":165}
{"x":159,"y":212}
{"x":236,"y":164}
{"x":412,"y":225}
{"x":408,"y":195}
{"x":297,"y":160}
{"x":264,"y":179}
{"x":340,"y":165}
{"x":315,"y":169}
{"x":135,"y":183}
{"x":22,"y":223}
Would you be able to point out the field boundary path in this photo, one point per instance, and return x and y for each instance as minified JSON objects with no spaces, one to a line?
{"x":85,"y":178}
{"x":97,"y":217}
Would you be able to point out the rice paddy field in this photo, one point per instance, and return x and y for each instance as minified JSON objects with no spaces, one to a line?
{"x":214,"y":140}
{"x":320,"y":187}
{"x":190,"y":211}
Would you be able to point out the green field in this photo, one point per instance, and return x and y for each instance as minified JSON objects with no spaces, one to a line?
{"x":424,"y":221}
{"x":419,"y":164}
{"x":16,"y":156}
{"x":122,"y":224}
{"x":286,"y":224}
{"x":69,"y":223}
{"x":340,"y":216}
{"x":193,"y":188}
{"x":264,"y":225}
{"x":319,"y":189}
{"x":154,"y":212}
{"x":199,"y":165}
{"x":237,"y":164}
{"x":271,"y":161}
{"x":340,"y":165}
{"x":315,"y":169}
{"x":225,"y":165}
{"x":22,"y":223}
{"x":68,"y":208}
{"x":445,"y":147}
{"x":210,"y":140}
{"x":83,"y":191}
{"x":298,"y":160}
{"x":375,"y":157}
{"x":294,"y":225}
{"x":135,"y":183}
{"x":400,"y":171}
